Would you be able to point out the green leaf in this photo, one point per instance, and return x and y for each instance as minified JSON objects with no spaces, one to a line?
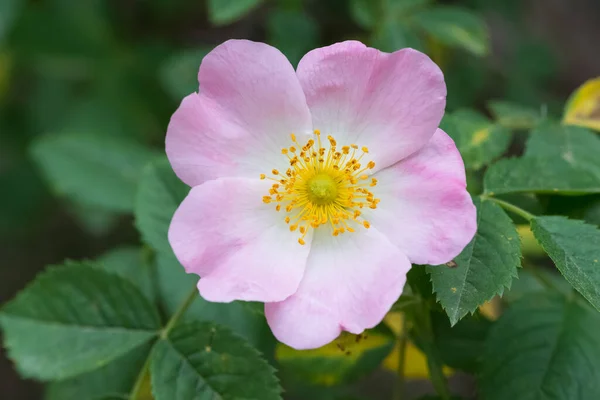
{"x":402,"y":7}
{"x":535,"y":280}
{"x":513,"y":116}
{"x":365,"y":12}
{"x":478,"y":139}
{"x":344,"y":360}
{"x":93,"y":170}
{"x":539,"y":175}
{"x":558,"y":159}
{"x":466,"y":78}
{"x":577,"y":146}
{"x":96,"y":221}
{"x":421,"y":334}
{"x":179,"y":73}
{"x":368,"y":13}
{"x":460,"y":346}
{"x":545,"y":347}
{"x":405,"y":301}
{"x":294,"y":33}
{"x":223,"y":12}
{"x":591,"y":213}
{"x":73,"y":319}
{"x":207,"y":361}
{"x":174,"y":284}
{"x":419,"y":282}
{"x":132,"y":264}
{"x":392,"y":36}
{"x":159,"y":194}
{"x":485,"y":267}
{"x":455,"y":26}
{"x":8,"y":11}
{"x":115,"y":379}
{"x":574,"y":246}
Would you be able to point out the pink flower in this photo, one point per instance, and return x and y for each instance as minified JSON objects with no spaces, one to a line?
{"x":314,"y":190}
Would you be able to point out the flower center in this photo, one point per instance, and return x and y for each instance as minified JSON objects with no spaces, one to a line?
{"x":323,"y":186}
{"x":322,"y":189}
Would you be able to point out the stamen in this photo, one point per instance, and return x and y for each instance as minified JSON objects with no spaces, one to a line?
{"x":323,"y":186}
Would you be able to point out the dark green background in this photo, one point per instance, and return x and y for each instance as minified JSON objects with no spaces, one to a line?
{"x":118,"y":68}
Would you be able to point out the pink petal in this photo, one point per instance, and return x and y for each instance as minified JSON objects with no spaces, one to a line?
{"x":250,"y":101}
{"x":391,"y":103}
{"x":425,"y":208}
{"x":241,"y":248}
{"x":350,"y":283}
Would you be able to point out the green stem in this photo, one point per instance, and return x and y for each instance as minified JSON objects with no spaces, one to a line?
{"x":402,"y":343}
{"x":402,"y":306}
{"x":436,"y":374}
{"x":511,"y":207}
{"x":424,"y":332}
{"x":164,"y":333}
{"x":434,"y":364}
{"x":543,"y":280}
{"x":179,"y":313}
{"x":137,"y":387}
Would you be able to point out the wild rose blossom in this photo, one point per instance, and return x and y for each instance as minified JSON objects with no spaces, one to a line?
{"x":314,"y":190}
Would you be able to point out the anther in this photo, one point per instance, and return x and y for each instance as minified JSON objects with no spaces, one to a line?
{"x":335,"y":198}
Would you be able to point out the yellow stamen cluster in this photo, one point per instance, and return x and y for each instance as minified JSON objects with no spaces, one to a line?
{"x":322,"y":186}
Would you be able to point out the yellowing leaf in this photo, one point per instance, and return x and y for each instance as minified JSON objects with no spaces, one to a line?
{"x":491,"y":309}
{"x":480,"y":136}
{"x":513,"y":115}
{"x":346,"y":358}
{"x":478,"y":139}
{"x":145,"y":392}
{"x":583,"y":107}
{"x":415,"y":363}
{"x":529,"y":245}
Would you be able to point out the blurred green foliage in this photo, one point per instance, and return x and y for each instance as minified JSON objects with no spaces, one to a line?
{"x":86,"y":92}
{"x":75,"y":72}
